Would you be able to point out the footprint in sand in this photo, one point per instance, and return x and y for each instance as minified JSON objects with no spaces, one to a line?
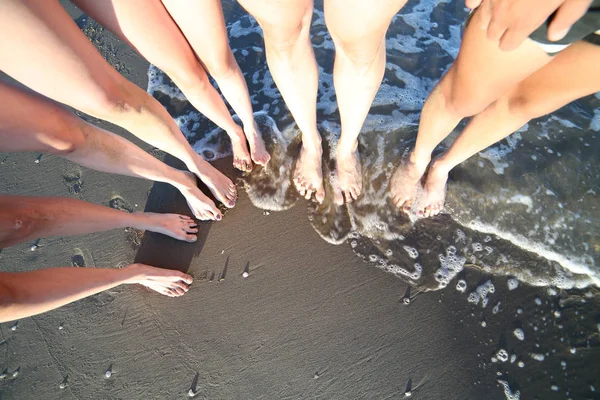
{"x":118,"y":203}
{"x":80,"y":259}
{"x":74,"y":180}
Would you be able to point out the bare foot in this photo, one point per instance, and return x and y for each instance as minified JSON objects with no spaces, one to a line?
{"x":220,"y":185}
{"x":349,"y":176}
{"x":308,"y":176}
{"x":177,"y":226}
{"x":435,"y":191}
{"x":241,"y":156}
{"x":164,"y":281}
{"x":202,"y":207}
{"x":259,"y":153}
{"x":405,"y":181}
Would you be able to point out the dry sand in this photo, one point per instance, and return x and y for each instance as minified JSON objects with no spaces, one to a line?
{"x":311,"y":320}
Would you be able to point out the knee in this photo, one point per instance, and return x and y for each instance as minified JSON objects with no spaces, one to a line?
{"x":113,"y":100}
{"x":223,"y":66}
{"x":461,"y":105}
{"x":460,"y":98}
{"x":69,"y":139}
{"x":283,"y":40}
{"x":521,"y":105}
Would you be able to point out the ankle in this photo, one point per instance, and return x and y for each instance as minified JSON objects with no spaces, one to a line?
{"x":419,"y":160}
{"x":313,"y":147}
{"x":440,"y":166}
{"x":345,"y":148}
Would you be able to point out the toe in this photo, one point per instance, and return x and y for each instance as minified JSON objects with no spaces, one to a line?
{"x":191,"y":238}
{"x":308,"y":194}
{"x":348,"y":197}
{"x":320,"y":194}
{"x":191,"y":230}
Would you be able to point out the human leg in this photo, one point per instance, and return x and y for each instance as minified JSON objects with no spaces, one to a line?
{"x":148,"y":27}
{"x":570,"y":75}
{"x":358,"y":30}
{"x":25,"y":218}
{"x":52,"y":56}
{"x":23,"y":294}
{"x":291,"y":60}
{"x":203,"y":25}
{"x":479,"y":76}
{"x":57,"y":131}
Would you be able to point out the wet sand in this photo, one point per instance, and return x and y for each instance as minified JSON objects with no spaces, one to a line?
{"x":312,"y":320}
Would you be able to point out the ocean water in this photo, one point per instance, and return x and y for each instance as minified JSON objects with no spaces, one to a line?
{"x":526,"y":208}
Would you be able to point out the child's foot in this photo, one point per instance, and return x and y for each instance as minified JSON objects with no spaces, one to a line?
{"x":405,"y":180}
{"x":180,"y":227}
{"x":349,"y":176}
{"x":164,"y":281}
{"x":241,"y":156}
{"x":202,"y":207}
{"x":259,"y":153}
{"x":308,"y":176}
{"x":220,"y":185}
{"x":435,"y":190}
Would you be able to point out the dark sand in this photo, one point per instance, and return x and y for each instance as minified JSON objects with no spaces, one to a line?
{"x":312,"y":320}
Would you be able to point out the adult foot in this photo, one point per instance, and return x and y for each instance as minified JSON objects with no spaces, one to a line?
{"x":164,"y":281}
{"x":219,"y":185}
{"x":202,"y":207}
{"x":435,"y":190}
{"x":180,"y":227}
{"x":405,"y":181}
{"x":259,"y":153}
{"x":241,"y":156}
{"x":349,"y":175}
{"x":308,"y":175}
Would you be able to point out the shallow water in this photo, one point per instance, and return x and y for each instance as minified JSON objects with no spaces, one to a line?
{"x":526,"y":207}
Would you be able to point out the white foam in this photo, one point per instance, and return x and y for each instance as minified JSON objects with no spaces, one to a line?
{"x":450,"y":266}
{"x":519,"y":334}
{"x":508,"y":393}
{"x":481,"y":293}
{"x":156,"y":83}
{"x":411,"y":251}
{"x":576,"y":265}
{"x":513,"y":283}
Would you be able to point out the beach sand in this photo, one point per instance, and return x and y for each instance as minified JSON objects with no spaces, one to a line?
{"x":311,"y":320}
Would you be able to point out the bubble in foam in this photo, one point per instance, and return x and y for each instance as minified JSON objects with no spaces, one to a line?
{"x":537,"y":356}
{"x":496,"y":308}
{"x":513,"y":283}
{"x":487,"y":239}
{"x":477,"y":247}
{"x":412,"y":252}
{"x":552,"y":291}
{"x":353,"y":243}
{"x":373,"y":258}
{"x":488,"y":250}
{"x":521,"y":364}
{"x":460,"y":235}
{"x":513,"y":358}
{"x":502,"y":355}
{"x":538,"y":301}
{"x":481,"y":293}
{"x":519,"y":334}
{"x":508,"y":393}
{"x":389,"y":252}
{"x":461,"y":285}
